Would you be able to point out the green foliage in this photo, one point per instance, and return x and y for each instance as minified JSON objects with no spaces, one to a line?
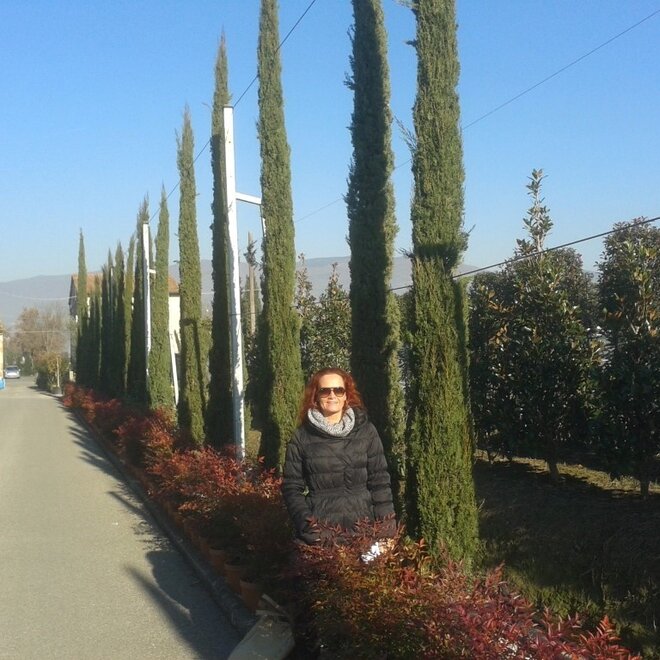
{"x":136,"y":384}
{"x":191,"y":394}
{"x":82,"y":312}
{"x":532,"y":353}
{"x":441,"y":504}
{"x":52,"y":371}
{"x":129,"y":289}
{"x":372,"y":229}
{"x":219,"y":413}
{"x":161,"y":394}
{"x":93,"y":338}
{"x":281,"y":376}
{"x":325,"y":325}
{"x":107,"y":329}
{"x":630,"y":295}
{"x":118,"y":363}
{"x":494,"y":406}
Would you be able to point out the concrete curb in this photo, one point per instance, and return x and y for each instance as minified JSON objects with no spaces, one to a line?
{"x":228,"y":601}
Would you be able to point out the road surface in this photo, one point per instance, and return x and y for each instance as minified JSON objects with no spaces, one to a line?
{"x":84,"y":571}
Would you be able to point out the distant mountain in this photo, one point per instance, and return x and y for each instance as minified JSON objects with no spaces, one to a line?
{"x":41,"y":292}
{"x":47,"y":290}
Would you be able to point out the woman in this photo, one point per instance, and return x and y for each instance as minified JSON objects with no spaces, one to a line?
{"x":335,"y":469}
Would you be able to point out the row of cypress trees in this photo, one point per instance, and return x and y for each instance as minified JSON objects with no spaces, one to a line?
{"x":431,"y":459}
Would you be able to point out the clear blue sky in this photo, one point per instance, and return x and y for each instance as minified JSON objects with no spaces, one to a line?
{"x":93,"y":94}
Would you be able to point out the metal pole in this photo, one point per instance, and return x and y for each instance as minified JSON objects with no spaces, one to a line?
{"x":146,"y":285}
{"x":234,"y":287}
{"x":175,"y":374}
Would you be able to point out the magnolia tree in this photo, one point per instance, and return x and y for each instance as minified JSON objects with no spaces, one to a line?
{"x":630,"y":297}
{"x":532,"y":351}
{"x":325,"y":325}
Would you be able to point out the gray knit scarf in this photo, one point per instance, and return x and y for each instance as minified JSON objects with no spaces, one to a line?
{"x":339,"y":430}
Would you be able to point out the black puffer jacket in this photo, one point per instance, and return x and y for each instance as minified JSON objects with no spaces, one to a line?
{"x":336,"y":480}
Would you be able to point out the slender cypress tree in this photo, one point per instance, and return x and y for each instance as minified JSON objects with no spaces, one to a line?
{"x":129,"y":290}
{"x":93,"y":340}
{"x":372,"y":228}
{"x":191,"y":403}
{"x":136,"y":385}
{"x":160,"y":367}
{"x":282,"y":374}
{"x":118,"y":362}
{"x":107,"y":318}
{"x":441,"y":499}
{"x":219,"y":427}
{"x":82,"y":312}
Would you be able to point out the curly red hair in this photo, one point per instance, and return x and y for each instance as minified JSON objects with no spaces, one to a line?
{"x":310,"y":397}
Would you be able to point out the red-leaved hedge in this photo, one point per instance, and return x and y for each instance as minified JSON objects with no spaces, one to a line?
{"x":403,"y":604}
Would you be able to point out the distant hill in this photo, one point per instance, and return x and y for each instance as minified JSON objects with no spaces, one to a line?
{"x":41,"y":292}
{"x":319,"y":271}
{"x":47,"y":290}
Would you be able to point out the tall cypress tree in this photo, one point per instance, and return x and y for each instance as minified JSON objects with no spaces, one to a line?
{"x":160,"y":367}
{"x":282,"y":373}
{"x":93,"y":340}
{"x":118,"y":362}
{"x":372,"y":228}
{"x":219,"y":427}
{"x":129,"y":290}
{"x":107,"y":319}
{"x":136,"y":385}
{"x":82,"y":312}
{"x":191,"y":402}
{"x":441,"y":498}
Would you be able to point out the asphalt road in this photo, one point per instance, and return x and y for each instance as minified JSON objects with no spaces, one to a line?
{"x":84,"y":571}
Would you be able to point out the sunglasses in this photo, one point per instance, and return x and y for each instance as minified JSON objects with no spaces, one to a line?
{"x":326,"y":391}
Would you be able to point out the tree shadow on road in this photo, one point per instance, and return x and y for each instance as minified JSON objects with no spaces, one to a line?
{"x":175,"y":589}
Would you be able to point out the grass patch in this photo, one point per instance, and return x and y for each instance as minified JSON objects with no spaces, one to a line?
{"x":590,"y":544}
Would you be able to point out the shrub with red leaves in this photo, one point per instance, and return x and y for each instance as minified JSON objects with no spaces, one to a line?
{"x":147,"y":439}
{"x":405,"y":604}
{"x":80,"y":398}
{"x":109,"y":414}
{"x":401,"y":604}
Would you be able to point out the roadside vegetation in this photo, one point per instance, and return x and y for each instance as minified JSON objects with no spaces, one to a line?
{"x":520,"y":410}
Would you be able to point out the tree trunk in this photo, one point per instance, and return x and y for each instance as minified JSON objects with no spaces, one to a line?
{"x":554,"y":471}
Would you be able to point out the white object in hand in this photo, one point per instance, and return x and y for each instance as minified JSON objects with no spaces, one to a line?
{"x":373,"y":552}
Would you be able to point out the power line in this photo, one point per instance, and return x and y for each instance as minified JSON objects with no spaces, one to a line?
{"x":245,"y":91}
{"x":20,"y":297}
{"x":552,"y":249}
{"x":559,"y":71}
{"x":592,"y":237}
{"x":513,"y":98}
{"x":288,"y":34}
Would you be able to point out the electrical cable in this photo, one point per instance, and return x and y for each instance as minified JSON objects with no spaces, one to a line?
{"x":245,"y":91}
{"x":552,"y":249}
{"x":513,"y":98}
{"x":592,"y":237}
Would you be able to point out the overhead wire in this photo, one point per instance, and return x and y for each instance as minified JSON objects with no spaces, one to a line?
{"x":624,"y":227}
{"x":513,"y":98}
{"x":244,"y":92}
{"x":469,"y":125}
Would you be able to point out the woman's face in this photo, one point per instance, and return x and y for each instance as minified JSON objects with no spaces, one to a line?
{"x":330,"y":402}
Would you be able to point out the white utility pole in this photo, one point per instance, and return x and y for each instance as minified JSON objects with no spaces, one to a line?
{"x":146,"y":287}
{"x":238,"y":389}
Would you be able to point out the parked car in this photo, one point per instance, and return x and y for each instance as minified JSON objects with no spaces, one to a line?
{"x":12,"y":371}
